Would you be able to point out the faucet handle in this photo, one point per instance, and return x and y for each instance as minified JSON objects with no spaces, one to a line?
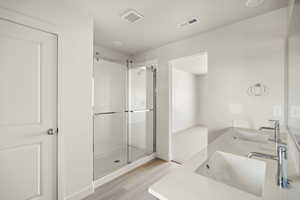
{"x":276,"y":122}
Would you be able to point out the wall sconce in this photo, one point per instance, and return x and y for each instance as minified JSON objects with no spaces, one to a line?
{"x":257,"y":89}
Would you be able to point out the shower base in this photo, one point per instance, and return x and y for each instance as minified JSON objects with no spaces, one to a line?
{"x":110,"y":162}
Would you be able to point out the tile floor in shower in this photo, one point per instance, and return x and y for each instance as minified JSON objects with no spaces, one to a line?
{"x":112,"y":161}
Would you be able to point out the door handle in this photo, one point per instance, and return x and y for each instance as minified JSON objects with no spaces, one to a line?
{"x":51,"y":131}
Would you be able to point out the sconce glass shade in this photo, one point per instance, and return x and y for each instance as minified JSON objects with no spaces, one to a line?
{"x":257,"y":90}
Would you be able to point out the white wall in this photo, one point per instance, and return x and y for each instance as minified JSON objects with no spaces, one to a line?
{"x":294,"y":71}
{"x":185,"y":94}
{"x":239,"y":55}
{"x":292,"y":84}
{"x":76,"y":61}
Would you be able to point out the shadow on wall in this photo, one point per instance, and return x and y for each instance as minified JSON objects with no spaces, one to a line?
{"x":214,"y":134}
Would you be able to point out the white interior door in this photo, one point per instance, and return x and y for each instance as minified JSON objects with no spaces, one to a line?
{"x":28,"y":109}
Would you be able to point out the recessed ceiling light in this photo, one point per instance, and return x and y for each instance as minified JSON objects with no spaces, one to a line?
{"x":191,"y":21}
{"x":117,"y":43}
{"x":254,"y":3}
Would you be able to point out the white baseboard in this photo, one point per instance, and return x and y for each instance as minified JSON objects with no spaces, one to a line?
{"x":123,"y":170}
{"x":86,"y":191}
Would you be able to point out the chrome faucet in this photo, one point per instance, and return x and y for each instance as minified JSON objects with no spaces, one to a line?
{"x":276,"y":129}
{"x":282,"y":168}
{"x":281,"y":157}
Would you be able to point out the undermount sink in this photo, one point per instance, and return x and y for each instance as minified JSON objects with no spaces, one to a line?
{"x":236,"y":171}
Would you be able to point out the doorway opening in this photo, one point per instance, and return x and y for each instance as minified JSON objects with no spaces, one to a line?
{"x":188,"y":88}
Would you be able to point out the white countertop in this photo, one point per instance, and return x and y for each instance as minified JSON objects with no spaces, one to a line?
{"x":184,"y":184}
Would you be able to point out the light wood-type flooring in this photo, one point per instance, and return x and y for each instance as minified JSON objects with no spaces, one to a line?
{"x":134,"y":185}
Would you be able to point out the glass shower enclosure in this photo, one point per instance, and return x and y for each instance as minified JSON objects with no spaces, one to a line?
{"x":124,"y":115}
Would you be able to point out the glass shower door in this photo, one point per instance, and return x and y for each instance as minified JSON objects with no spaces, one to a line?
{"x":123,"y":115}
{"x":110,"y":118}
{"x":140,"y":112}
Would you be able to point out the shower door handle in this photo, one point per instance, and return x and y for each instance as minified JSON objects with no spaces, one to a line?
{"x":137,"y":111}
{"x":105,"y":113}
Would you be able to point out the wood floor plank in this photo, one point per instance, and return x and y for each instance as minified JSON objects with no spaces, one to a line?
{"x":134,"y":185}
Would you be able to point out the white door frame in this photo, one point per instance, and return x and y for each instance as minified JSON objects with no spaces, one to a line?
{"x":45,"y":26}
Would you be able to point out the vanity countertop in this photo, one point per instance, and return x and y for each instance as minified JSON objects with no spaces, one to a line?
{"x":185,"y":184}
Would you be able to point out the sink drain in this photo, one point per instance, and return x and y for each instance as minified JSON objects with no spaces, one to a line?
{"x":117,"y":161}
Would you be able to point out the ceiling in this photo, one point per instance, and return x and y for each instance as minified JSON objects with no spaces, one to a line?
{"x":160,"y":25}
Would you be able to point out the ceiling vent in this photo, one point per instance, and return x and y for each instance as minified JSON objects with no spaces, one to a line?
{"x":191,"y":21}
{"x":132,"y":16}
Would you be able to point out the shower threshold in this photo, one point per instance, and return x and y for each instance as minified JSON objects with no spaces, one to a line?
{"x":123,"y":170}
